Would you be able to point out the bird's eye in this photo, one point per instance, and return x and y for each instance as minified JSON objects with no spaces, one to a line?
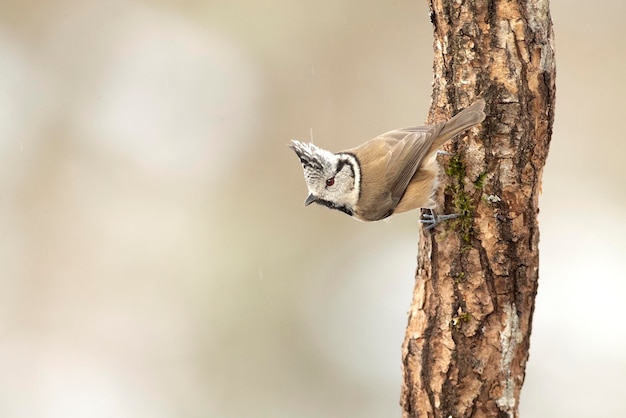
{"x":330,"y":182}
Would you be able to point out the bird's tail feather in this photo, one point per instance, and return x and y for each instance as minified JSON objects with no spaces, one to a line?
{"x":465,"y":119}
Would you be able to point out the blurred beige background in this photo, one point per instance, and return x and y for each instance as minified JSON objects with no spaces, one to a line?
{"x":156,"y":258}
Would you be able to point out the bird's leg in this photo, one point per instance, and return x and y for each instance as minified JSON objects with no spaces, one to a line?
{"x":432,"y":220}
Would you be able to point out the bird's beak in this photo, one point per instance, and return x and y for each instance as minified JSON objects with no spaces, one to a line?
{"x":309,"y":199}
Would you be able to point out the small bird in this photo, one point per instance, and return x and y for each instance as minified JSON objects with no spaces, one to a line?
{"x":390,"y":174}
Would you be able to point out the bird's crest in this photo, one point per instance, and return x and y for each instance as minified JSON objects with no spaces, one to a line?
{"x":311,"y":156}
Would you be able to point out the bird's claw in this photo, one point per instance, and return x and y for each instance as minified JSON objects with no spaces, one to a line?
{"x":432,"y":219}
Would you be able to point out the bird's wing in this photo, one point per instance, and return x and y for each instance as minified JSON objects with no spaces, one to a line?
{"x":388,"y":162}
{"x":406,"y":151}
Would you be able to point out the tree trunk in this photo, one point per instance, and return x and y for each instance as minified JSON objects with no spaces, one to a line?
{"x":468,"y":332}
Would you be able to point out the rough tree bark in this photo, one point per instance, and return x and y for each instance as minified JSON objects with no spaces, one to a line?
{"x":468,"y":332}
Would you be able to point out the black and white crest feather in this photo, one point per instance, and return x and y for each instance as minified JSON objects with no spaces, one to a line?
{"x":310,"y":155}
{"x":315,"y":160}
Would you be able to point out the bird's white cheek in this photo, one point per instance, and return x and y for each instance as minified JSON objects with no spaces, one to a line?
{"x":353,"y":197}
